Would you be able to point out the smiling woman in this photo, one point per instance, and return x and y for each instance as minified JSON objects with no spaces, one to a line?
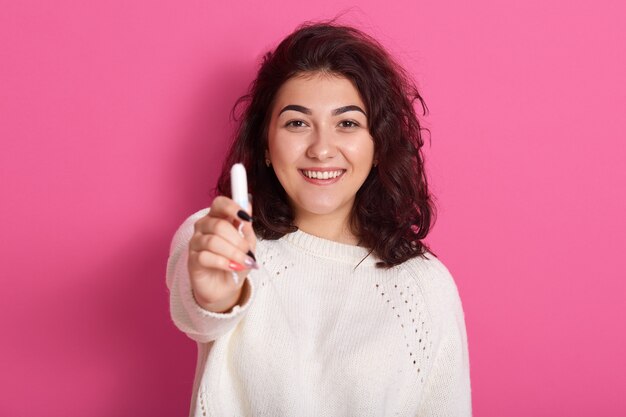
{"x":340,"y":308}
{"x":321,"y":151}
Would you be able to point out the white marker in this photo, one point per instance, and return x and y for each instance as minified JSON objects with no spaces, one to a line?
{"x":239,"y":185}
{"x":239,"y":191}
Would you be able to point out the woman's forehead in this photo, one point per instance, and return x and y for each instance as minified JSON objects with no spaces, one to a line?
{"x":318,"y":91}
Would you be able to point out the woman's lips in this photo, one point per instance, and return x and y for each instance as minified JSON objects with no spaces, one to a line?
{"x":319,"y":181}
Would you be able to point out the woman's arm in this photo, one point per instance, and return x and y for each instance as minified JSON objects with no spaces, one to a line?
{"x":199,"y":324}
{"x":447,"y":390}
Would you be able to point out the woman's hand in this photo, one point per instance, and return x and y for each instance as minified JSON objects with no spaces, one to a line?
{"x":216,"y":250}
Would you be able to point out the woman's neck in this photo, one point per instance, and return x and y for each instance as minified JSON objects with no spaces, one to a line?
{"x":330,"y":227}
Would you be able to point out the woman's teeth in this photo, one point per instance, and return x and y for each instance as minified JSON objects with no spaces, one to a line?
{"x":322,"y":175}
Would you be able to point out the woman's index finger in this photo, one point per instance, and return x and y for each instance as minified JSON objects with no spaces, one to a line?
{"x":225,"y":208}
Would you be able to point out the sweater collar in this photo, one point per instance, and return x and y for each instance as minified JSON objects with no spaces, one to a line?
{"x":330,"y":249}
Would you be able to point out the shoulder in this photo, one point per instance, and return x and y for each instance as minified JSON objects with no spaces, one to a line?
{"x":430,"y":271}
{"x":437,"y":285}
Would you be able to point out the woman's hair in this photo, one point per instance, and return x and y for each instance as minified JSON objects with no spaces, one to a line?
{"x":393,"y":209}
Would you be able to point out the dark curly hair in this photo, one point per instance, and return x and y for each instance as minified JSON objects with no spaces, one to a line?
{"x":393,"y":209}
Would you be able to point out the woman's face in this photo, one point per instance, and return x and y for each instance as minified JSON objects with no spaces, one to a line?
{"x":319,"y":144}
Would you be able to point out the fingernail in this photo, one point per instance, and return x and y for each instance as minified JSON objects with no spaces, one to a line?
{"x":235,"y":266}
{"x":244,"y":216}
{"x":251,"y":263}
{"x":250,"y":254}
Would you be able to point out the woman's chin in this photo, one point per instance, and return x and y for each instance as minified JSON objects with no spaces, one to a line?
{"x":317,"y":209}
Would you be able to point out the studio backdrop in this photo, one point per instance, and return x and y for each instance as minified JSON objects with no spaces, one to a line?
{"x":115,"y":117}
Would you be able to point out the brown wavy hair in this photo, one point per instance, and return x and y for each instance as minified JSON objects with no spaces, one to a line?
{"x":393,"y":210}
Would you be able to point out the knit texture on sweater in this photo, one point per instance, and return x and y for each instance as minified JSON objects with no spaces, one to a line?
{"x":321,"y":336}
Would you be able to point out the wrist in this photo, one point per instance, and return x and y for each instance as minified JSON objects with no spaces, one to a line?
{"x":226,"y":304}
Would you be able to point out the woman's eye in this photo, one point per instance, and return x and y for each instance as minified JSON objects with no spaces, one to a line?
{"x":348,"y":123}
{"x":295,"y":123}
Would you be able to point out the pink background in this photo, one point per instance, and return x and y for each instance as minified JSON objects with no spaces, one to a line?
{"x":114,"y":117}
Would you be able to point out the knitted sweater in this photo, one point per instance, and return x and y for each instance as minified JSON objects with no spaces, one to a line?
{"x":321,"y":336}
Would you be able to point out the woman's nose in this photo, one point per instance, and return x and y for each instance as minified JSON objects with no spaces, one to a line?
{"x":322,"y":145}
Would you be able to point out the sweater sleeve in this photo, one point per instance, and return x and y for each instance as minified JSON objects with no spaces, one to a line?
{"x":448,"y":390}
{"x":197,"y":323}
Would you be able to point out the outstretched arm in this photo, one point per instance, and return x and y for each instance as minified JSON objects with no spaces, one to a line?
{"x":198,"y":323}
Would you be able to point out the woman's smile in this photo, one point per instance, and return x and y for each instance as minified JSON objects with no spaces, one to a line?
{"x":319,"y":176}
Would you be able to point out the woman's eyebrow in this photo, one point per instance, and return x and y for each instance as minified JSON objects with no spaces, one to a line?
{"x":344,"y":109}
{"x":335,"y":112}
{"x":296,"y":107}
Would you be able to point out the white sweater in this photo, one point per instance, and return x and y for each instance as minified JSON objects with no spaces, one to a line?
{"x":318,"y":337}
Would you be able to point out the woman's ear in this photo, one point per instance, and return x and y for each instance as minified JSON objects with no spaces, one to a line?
{"x":267,"y":158}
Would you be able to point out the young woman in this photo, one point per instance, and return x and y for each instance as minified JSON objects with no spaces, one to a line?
{"x":340,"y":309}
